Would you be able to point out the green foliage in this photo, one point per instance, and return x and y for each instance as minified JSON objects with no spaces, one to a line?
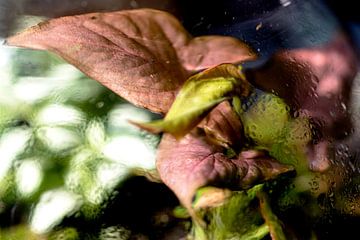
{"x":237,"y":217}
{"x":265,"y":120}
{"x":269,"y":125}
{"x":21,"y":232}
{"x":197,"y":97}
{"x":58,"y":131}
{"x":66,"y":233}
{"x":64,"y":152}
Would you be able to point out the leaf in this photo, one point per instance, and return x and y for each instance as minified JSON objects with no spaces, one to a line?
{"x":208,"y":51}
{"x":223,"y":126}
{"x":315,"y":80}
{"x":143,"y":55}
{"x":292,"y":148}
{"x":268,"y":123}
{"x":191,"y":163}
{"x":197,"y":97}
{"x":265,"y":120}
{"x":223,"y":219}
{"x":274,"y":224}
{"x":210,"y":197}
{"x":21,"y":232}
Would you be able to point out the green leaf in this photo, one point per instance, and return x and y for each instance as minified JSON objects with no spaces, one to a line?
{"x":19,"y":232}
{"x":198,"y":96}
{"x":257,"y":233}
{"x":291,"y":148}
{"x":64,"y":233}
{"x":269,"y":124}
{"x":265,"y":120}
{"x":271,"y":219}
{"x":223,"y":127}
{"x":235,"y":216}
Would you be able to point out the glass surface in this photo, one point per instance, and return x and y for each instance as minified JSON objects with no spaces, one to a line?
{"x":73,"y":167}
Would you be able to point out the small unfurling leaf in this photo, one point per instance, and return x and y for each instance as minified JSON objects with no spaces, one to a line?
{"x":223,"y":126}
{"x":274,"y":224}
{"x":197,"y":97}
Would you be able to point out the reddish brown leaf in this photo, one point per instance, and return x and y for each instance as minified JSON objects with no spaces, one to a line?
{"x":208,"y":51}
{"x":143,"y":55}
{"x":191,"y":163}
{"x":222,"y":126}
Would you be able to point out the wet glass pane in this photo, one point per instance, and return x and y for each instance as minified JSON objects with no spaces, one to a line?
{"x":179,"y":120}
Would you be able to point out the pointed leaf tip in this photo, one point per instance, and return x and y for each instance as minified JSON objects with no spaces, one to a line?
{"x":152,"y":127}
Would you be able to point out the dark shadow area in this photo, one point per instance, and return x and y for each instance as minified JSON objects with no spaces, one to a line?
{"x":143,"y":207}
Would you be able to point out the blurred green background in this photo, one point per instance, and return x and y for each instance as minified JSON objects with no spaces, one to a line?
{"x":68,"y":154}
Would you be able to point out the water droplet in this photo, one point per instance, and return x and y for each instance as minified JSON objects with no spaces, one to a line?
{"x":134,"y":4}
{"x":100,"y":104}
{"x":296,"y":114}
{"x":84,"y":4}
{"x":258,"y":26}
{"x":343,"y":105}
